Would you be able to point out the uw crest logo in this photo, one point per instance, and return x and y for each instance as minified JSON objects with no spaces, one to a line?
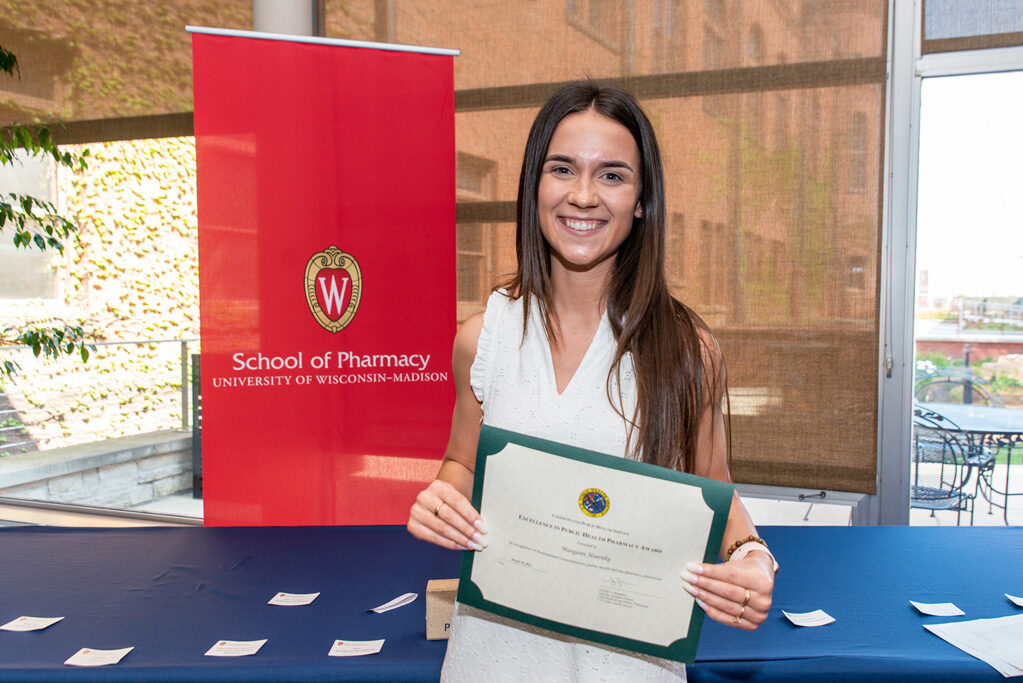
{"x":594,"y":502}
{"x":333,"y":288}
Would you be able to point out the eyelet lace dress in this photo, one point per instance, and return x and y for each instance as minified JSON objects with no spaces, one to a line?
{"x":513,"y":377}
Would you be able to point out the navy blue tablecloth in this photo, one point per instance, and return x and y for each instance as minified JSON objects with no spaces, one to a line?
{"x":172,"y":592}
{"x":865,"y":577}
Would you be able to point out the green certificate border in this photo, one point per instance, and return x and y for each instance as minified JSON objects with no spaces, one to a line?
{"x":716,"y":494}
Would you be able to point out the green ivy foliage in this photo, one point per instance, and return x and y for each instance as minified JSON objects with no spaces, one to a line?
{"x":36,"y":223}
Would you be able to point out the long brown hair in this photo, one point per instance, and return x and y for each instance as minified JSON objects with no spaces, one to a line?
{"x":676,"y":372}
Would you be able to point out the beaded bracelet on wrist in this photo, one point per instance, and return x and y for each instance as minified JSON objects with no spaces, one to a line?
{"x":742,"y":541}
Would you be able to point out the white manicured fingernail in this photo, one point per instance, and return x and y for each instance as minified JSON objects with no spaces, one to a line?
{"x":694,"y":567}
{"x":461,"y":546}
{"x":689,"y":578}
{"x":477,"y":536}
{"x":689,"y":589}
{"x":475,"y":546}
{"x":702,"y":605}
{"x":479,"y":524}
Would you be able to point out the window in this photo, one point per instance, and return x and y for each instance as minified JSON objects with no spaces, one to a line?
{"x":715,"y":10}
{"x":856,"y":273}
{"x":755,"y":261}
{"x":471,"y":261}
{"x":713,"y":49}
{"x":474,"y":182}
{"x":754,"y":102}
{"x":474,"y":177}
{"x":668,"y":52}
{"x":953,"y":25}
{"x":715,"y":265}
{"x":755,"y":44}
{"x":43,"y":62}
{"x":817,"y":142}
{"x":27,"y":273}
{"x":755,"y":118}
{"x":504,"y":73}
{"x":599,"y":19}
{"x":722,"y":276}
{"x":782,"y":116}
{"x":858,"y":153}
{"x":713,"y":58}
{"x":679,"y":267}
{"x":705,"y":254}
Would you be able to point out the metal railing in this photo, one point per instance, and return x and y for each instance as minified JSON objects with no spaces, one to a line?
{"x":5,"y":427}
{"x":54,"y":402}
{"x":996,"y":310}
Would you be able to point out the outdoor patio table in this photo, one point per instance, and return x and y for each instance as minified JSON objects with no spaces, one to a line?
{"x":990,"y":426}
{"x":172,"y":592}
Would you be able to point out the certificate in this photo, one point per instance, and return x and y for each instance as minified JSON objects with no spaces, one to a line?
{"x":590,"y":545}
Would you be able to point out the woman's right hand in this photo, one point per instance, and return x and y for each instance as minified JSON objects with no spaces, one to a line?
{"x":444,"y":516}
{"x":442,"y":513}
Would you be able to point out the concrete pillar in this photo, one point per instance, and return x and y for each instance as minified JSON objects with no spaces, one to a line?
{"x":297,"y":17}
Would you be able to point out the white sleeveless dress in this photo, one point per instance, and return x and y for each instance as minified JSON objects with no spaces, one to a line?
{"x":514,"y":379}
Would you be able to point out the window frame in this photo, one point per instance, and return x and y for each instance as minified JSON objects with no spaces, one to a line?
{"x":579,"y":14}
{"x":908,"y":66}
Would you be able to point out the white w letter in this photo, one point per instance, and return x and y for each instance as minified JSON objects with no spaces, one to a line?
{"x":331,"y":295}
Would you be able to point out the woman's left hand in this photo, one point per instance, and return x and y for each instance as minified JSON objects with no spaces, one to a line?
{"x":735,"y":593}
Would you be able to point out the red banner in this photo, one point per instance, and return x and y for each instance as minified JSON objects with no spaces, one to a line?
{"x":326,"y":187}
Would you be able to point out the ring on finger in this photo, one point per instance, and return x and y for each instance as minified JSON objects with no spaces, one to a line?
{"x":738,"y":617}
{"x":436,"y":510}
{"x":745,"y":601}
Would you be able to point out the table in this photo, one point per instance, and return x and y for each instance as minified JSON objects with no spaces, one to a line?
{"x":990,"y":426}
{"x":171,"y":592}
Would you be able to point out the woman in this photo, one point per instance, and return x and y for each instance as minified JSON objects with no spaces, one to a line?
{"x":585,"y":345}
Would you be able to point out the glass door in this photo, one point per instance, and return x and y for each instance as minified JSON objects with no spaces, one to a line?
{"x":968,"y":384}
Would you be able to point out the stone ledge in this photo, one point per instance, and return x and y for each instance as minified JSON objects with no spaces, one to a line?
{"x":35,"y":466}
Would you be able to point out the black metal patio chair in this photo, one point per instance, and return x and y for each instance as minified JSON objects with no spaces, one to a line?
{"x":956,"y":385}
{"x":943,"y":466}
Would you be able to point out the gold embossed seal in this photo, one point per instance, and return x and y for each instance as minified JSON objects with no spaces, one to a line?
{"x":333,"y":294}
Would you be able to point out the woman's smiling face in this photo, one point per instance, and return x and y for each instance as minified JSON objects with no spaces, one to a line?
{"x":589,"y":190}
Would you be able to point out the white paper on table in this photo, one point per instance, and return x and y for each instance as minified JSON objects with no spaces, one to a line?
{"x":998,"y":665}
{"x":88,"y":656}
{"x":999,"y":641}
{"x":355,"y":648}
{"x":30,"y":623}
{"x":817,"y":617}
{"x":399,"y":601}
{"x":292,"y":599}
{"x":235,"y":648}
{"x":1015,"y":600}
{"x":937,"y":609}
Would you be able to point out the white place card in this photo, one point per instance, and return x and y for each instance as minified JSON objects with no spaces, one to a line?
{"x":235,"y":648}
{"x":399,"y":601}
{"x":30,"y":623}
{"x":355,"y":648}
{"x":1015,"y":600}
{"x":292,"y":599}
{"x":937,"y":609}
{"x":88,"y":656}
{"x":818,"y":617}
